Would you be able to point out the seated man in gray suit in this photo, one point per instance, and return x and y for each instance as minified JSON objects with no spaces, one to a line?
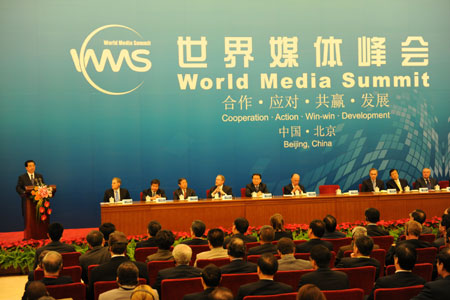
{"x":127,"y":280}
{"x":96,"y":255}
{"x":164,"y":239}
{"x":287,"y":262}
{"x":426,"y":181}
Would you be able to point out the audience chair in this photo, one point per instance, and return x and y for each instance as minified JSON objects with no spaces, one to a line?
{"x":329,"y":189}
{"x":404,"y":293}
{"x":378,"y":254}
{"x":414,"y":185}
{"x":90,"y":267}
{"x":299,"y":242}
{"x":71,"y":259}
{"x":306,"y":256}
{"x":441,"y":247}
{"x":234,"y":281}
{"x":360,"y":277}
{"x":153,"y":267}
{"x":175,"y":289}
{"x":428,"y":237}
{"x":208,"y":193}
{"x":243,"y":193}
{"x":251,"y":245}
{"x":426,"y":255}
{"x":75,"y":291}
{"x":444,"y":184}
{"x":254,"y":258}
{"x":73,"y":271}
{"x":360,"y":187}
{"x":423,"y":270}
{"x":291,"y":278}
{"x":140,"y":254}
{"x":338,"y":243}
{"x":201,"y":263}
{"x":289,"y":296}
{"x":104,"y":286}
{"x":196,"y":249}
{"x":349,"y":294}
{"x":385,"y":242}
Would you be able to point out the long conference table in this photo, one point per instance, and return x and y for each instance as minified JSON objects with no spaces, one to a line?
{"x":132,"y":219}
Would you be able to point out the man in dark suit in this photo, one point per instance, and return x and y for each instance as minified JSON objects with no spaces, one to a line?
{"x":30,"y":178}
{"x":438,"y":289}
{"x":266,"y":237}
{"x":127,"y":280}
{"x":55,"y":232}
{"x":361,"y":256}
{"x":256,"y":187}
{"x":412,"y":233}
{"x":330,"y":228}
{"x":211,"y":276}
{"x":287,"y":261}
{"x":96,"y":255}
{"x":153,"y":228}
{"x":154,"y":191}
{"x":396,"y":183}
{"x":294,"y":188}
{"x":420,"y":216}
{"x":197,"y":230}
{"x":220,"y":189}
{"x":239,"y":229}
{"x":405,"y":259}
{"x":267,"y":267}
{"x":373,"y":216}
{"x":323,"y":277}
{"x":182,"y":255}
{"x":115,"y":193}
{"x":164,"y":239}
{"x":315,"y":232}
{"x":236,"y":252}
{"x":183,"y":192}
{"x":370,"y":184}
{"x":108,"y":271}
{"x":426,"y":181}
{"x":107,"y":228}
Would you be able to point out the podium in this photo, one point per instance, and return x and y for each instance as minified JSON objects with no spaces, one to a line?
{"x":34,"y":228}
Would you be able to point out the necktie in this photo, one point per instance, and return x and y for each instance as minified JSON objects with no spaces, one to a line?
{"x":32,"y":179}
{"x":153,"y":194}
{"x":399,"y":185}
{"x":374,"y":183}
{"x":116,"y":196}
{"x":428,"y":183}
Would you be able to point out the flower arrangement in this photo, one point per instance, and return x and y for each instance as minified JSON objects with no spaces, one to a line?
{"x":41,"y":196}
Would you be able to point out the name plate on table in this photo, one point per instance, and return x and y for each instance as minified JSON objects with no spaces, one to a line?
{"x":192,"y":199}
{"x":392,"y":191}
{"x":423,"y":190}
{"x":310,"y":194}
{"x":353,"y":192}
{"x":267,"y":195}
{"x":227,"y":197}
{"x":127,"y":201}
{"x":288,"y":195}
{"x":448,"y":189}
{"x":160,"y":200}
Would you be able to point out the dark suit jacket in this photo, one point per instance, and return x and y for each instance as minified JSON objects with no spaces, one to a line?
{"x":264,"y":248}
{"x":49,"y":281}
{"x":150,"y":242}
{"x":124,"y":194}
{"x":238,"y":266}
{"x":181,"y":271}
{"x":53,"y":246}
{"x":390,"y":184}
{"x":374,"y":230}
{"x":245,"y":238}
{"x":438,"y":290}
{"x":263,"y":287}
{"x":333,"y":235}
{"x":350,"y":262}
{"x":306,"y":247}
{"x":287,"y":189}
{"x":250,"y":188}
{"x":227,"y":190}
{"x":178,"y":192}
{"x":22,"y":182}
{"x":414,"y":243}
{"x":282,"y":234}
{"x":420,"y":183}
{"x":95,"y":256}
{"x":399,"y":279}
{"x":367,"y":186}
{"x":148,"y":192}
{"x":196,"y":242}
{"x":199,"y":296}
{"x":326,"y":279}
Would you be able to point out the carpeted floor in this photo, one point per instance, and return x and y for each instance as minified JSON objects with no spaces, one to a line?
{"x":11,"y":237}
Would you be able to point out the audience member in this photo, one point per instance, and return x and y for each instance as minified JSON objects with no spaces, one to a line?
{"x":287,"y":262}
{"x":277,"y":223}
{"x":127,"y":280}
{"x":215,"y":243}
{"x":236,"y":252}
{"x":197,"y":231}
{"x":39,"y":265}
{"x":267,"y":267}
{"x":266,"y":236}
{"x":221,"y":293}
{"x":164,"y":239}
{"x":310,"y":292}
{"x":96,"y":255}
{"x":240,"y":227}
{"x":153,"y":228}
{"x":323,"y":277}
{"x":107,"y":229}
{"x":356,"y":232}
{"x":419,"y":215}
{"x":444,"y":225}
{"x":36,"y":290}
{"x":46,"y":298}
{"x":330,"y":228}
{"x":315,"y":232}
{"x":211,"y":276}
{"x":373,"y":217}
{"x":144,"y":292}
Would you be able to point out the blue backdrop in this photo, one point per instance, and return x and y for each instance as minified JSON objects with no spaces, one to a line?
{"x":143,"y":89}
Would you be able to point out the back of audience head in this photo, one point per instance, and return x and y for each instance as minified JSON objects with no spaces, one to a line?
{"x":277,"y":222}
{"x":52,"y":262}
{"x":153,"y":227}
{"x":317,"y":227}
{"x":286,"y":246}
{"x":94,"y":238}
{"x":406,"y":256}
{"x":164,"y":239}
{"x":236,"y":248}
{"x":198,"y":228}
{"x":310,"y":292}
{"x":364,"y":245}
{"x":359,"y":231}
{"x":268,"y":264}
{"x":46,"y":298}
{"x":413,"y":228}
{"x":107,"y":229}
{"x":35,"y":290}
{"x":321,"y":255}
{"x":55,"y":231}
{"x":330,"y":223}
{"x":182,"y":254}
{"x":216,"y":237}
{"x":445,"y":222}
{"x":41,"y":257}
{"x":221,"y":293}
{"x":418,"y":215}
{"x":241,"y":225}
{"x":267,"y":234}
{"x":118,"y":242}
{"x":372,"y":215}
{"x":443,"y":261}
{"x":127,"y":274}
{"x":144,"y":292}
{"x":211,"y":275}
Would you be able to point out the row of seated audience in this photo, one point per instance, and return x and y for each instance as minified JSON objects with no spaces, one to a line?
{"x":113,"y":261}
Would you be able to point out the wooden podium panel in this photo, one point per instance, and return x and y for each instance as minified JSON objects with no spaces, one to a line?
{"x":132,"y":219}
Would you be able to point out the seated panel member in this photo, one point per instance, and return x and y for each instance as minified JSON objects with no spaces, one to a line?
{"x":220,"y":188}
{"x":373,"y":182}
{"x":183,"y":192}
{"x":154,"y":191}
{"x":396,"y":183}
{"x":294,"y":188}
{"x":426,"y":181}
{"x":256,"y":186}
{"x":116,"y":192}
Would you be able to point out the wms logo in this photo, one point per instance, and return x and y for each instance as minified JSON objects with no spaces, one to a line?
{"x":115,"y":52}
